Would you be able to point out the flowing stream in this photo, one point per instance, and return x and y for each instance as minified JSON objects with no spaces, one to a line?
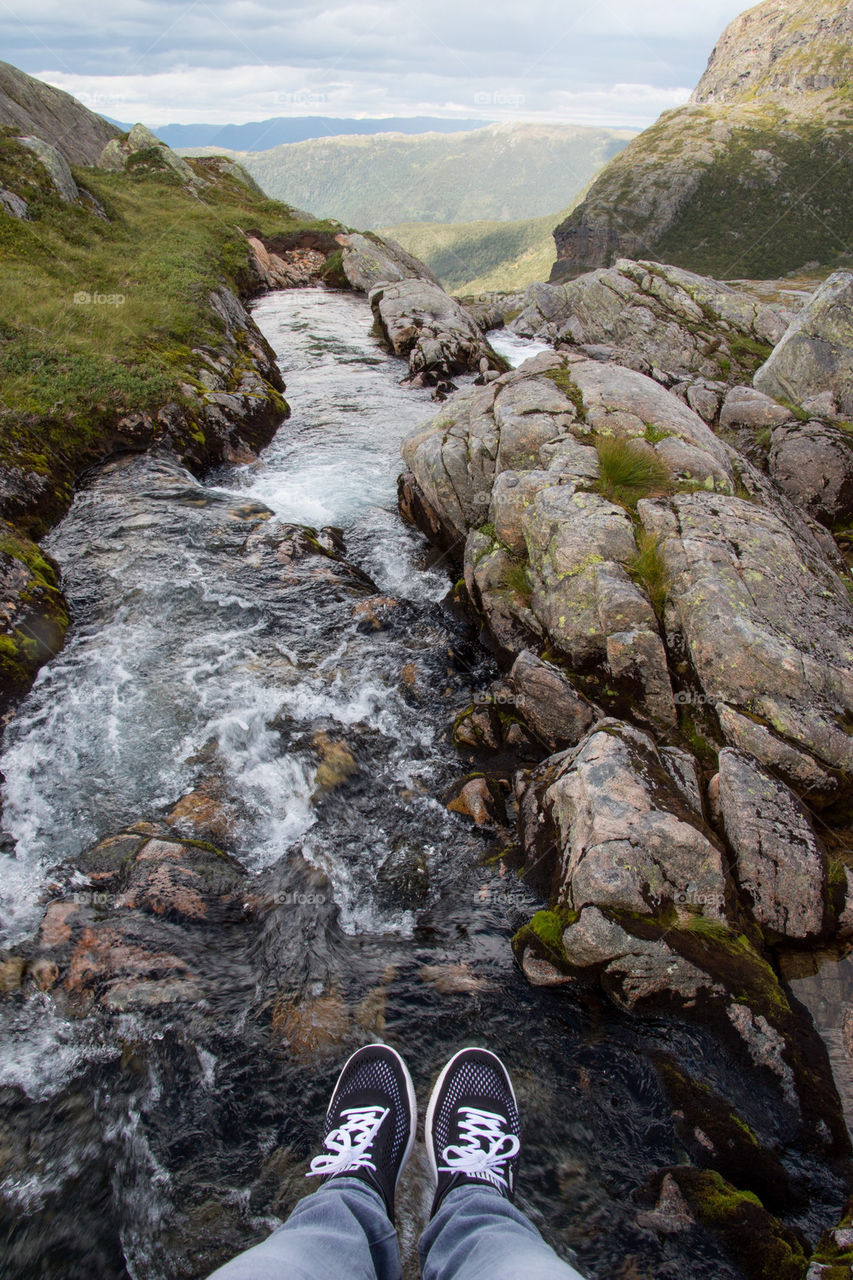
{"x":155,"y":1146}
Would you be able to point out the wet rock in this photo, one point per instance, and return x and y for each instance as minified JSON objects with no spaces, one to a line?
{"x":760,"y":1245}
{"x":671,"y":1214}
{"x":203,"y":814}
{"x":768,"y":629}
{"x":419,"y":320}
{"x":549,"y":704}
{"x":142,"y":928}
{"x":455,"y":979}
{"x":717,"y":1137}
{"x":816,"y":353}
{"x":374,"y":613}
{"x":812,"y":462}
{"x":33,"y":613}
{"x":337,"y":764}
{"x":480,"y":799}
{"x":295,"y":268}
{"x":314,"y":1025}
{"x":11,"y":974}
{"x":672,"y":319}
{"x":779,"y":862}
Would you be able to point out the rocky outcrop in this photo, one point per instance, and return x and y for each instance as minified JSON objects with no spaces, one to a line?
{"x":655,"y":317}
{"x":419,"y":320}
{"x":640,"y":903}
{"x":815,"y":356}
{"x":767,"y":627}
{"x":415,"y":316}
{"x":34,"y":108}
{"x":771,"y":111}
{"x":142,"y":151}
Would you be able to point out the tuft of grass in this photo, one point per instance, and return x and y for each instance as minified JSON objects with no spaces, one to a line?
{"x":628,"y":472}
{"x":570,"y":389}
{"x":649,"y":570}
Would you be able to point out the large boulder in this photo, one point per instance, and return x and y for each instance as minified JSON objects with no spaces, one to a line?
{"x":368,"y":260}
{"x":816,"y":353}
{"x":779,"y":863}
{"x":812,"y":462}
{"x":57,"y":168}
{"x":419,"y":320}
{"x":653,"y":315}
{"x":768,"y":629}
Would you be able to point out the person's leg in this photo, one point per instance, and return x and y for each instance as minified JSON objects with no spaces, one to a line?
{"x":472,"y":1133}
{"x":341,"y":1231}
{"x":477,"y":1234}
{"x":346,"y":1229}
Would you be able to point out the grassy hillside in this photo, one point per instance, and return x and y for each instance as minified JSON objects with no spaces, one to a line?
{"x":476,"y":257}
{"x":104,"y":317}
{"x":726,"y":191}
{"x":499,"y":173}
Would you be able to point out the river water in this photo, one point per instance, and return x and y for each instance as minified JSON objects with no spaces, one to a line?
{"x":153,"y":1147}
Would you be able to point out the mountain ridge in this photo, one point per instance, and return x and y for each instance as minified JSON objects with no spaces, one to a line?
{"x":739,"y":182}
{"x":501,"y":172}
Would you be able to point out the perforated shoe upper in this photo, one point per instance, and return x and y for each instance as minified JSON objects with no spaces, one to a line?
{"x":370,"y":1122}
{"x":472,"y":1131}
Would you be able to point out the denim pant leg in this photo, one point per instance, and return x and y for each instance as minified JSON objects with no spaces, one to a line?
{"x":340,"y":1232}
{"x":478,"y":1235}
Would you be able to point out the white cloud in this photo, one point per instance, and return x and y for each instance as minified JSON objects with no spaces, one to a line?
{"x":240,"y":94}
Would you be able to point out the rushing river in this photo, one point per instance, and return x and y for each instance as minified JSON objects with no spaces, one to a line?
{"x":152,"y":1147}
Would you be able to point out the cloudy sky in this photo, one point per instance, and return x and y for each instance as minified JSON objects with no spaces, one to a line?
{"x":607,"y":62}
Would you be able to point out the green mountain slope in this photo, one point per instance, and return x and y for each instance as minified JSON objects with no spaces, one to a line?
{"x":477,"y":257}
{"x":499,"y":173}
{"x":754,"y":177}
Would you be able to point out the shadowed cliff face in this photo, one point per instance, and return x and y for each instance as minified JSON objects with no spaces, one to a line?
{"x":752,"y":177}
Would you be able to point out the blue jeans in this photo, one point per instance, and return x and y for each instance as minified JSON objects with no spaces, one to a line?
{"x":342,"y":1232}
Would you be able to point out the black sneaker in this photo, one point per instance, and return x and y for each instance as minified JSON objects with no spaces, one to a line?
{"x":370,"y":1124}
{"x":472,"y":1131}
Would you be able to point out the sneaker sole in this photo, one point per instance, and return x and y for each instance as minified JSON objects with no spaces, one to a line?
{"x":410,"y":1091}
{"x":433,"y":1100}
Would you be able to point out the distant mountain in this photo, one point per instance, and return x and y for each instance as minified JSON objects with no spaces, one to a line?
{"x":754,"y":177}
{"x":261,"y":135}
{"x":31,"y":107}
{"x":500,"y":173}
{"x":478,"y":257}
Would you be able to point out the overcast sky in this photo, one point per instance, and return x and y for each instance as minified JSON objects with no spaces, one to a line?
{"x":607,"y":62}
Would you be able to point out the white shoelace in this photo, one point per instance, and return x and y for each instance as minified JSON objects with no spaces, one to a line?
{"x":349,"y":1145}
{"x":484,"y":1149}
